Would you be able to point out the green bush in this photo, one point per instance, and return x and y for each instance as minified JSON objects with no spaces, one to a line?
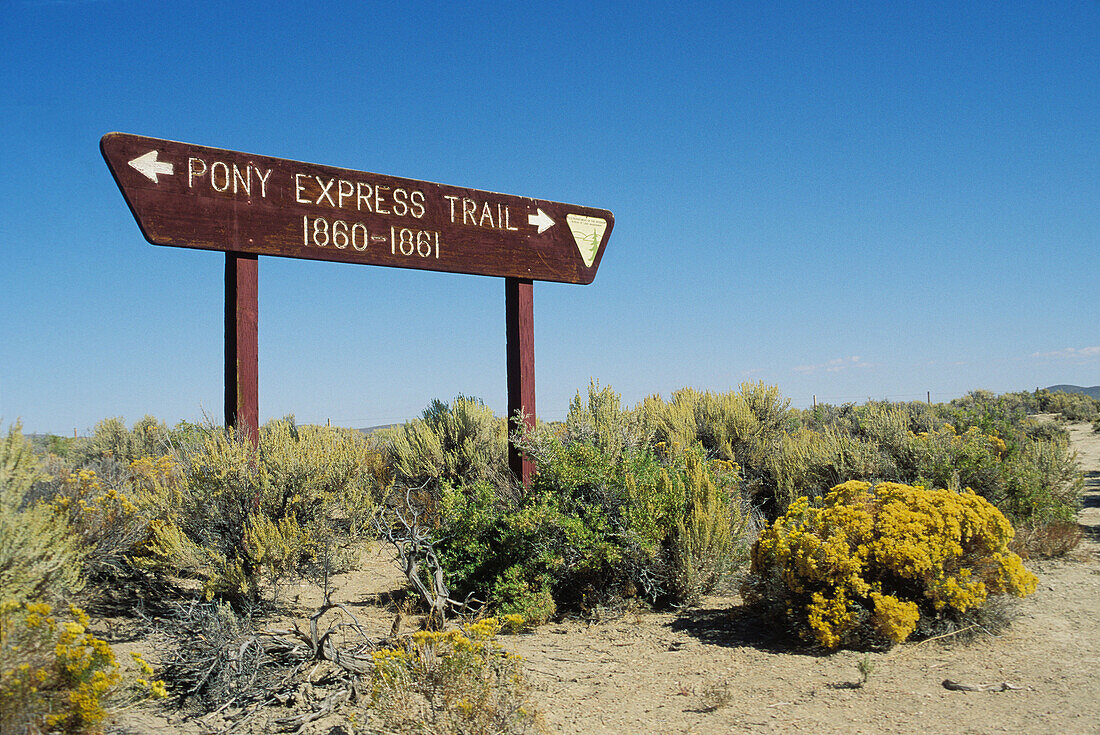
{"x":1071,"y":406}
{"x":1042,"y":483}
{"x":457,"y":443}
{"x":953,"y":459}
{"x":1031,"y":480}
{"x":988,"y":412}
{"x":745,"y":427}
{"x":602,"y":422}
{"x":518,"y":551}
{"x":112,"y":443}
{"x":516,"y":592}
{"x":61,"y":446}
{"x":594,"y":527}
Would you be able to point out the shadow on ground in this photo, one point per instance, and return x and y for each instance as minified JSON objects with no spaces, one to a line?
{"x":1091,"y":499}
{"x":738,"y":626}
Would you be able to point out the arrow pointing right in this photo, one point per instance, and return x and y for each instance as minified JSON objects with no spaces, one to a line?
{"x":149,"y":166}
{"x":542,"y":220}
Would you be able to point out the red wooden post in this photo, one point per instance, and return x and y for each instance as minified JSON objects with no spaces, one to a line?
{"x":519,"y":305}
{"x":242,"y":405}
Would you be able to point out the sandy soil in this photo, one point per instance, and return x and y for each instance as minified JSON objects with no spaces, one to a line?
{"x":709,"y":670}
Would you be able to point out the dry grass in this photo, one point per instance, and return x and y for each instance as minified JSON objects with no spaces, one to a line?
{"x":1046,"y":541}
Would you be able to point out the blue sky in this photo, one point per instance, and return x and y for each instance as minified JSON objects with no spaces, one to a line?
{"x":847,"y":200}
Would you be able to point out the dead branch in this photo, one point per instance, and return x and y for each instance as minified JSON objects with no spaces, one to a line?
{"x":330,"y":703}
{"x":418,"y":560}
{"x":958,"y":686}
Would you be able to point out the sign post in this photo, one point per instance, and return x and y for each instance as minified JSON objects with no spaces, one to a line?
{"x":519,"y":312}
{"x":246,"y":205}
{"x":242,"y":393}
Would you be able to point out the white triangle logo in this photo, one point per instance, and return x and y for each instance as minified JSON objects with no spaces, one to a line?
{"x":588,"y":234}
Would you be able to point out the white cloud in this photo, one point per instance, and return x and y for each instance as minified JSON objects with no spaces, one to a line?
{"x":1070,"y":353}
{"x":834,"y":366}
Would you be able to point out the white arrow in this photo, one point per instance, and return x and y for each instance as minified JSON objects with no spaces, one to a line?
{"x":150,"y":166}
{"x":541,"y":220}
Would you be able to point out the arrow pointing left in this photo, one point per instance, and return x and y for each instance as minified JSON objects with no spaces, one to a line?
{"x":149,"y":166}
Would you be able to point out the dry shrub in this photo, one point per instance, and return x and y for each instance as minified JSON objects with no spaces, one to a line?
{"x":1045,"y":541}
{"x":213,"y":656}
{"x":738,"y":427}
{"x":330,"y":478}
{"x":108,"y":525}
{"x":452,"y":682}
{"x":1043,"y":482}
{"x":39,"y":557}
{"x":809,"y":462}
{"x":716,"y":695}
{"x":749,"y":427}
{"x":237,"y":517}
{"x":603,"y":422}
{"x":113,"y":444}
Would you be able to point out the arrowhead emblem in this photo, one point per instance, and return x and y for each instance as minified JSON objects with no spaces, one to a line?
{"x":541,"y":220}
{"x":149,"y":166}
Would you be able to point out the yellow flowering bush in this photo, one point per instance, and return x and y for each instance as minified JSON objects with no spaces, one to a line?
{"x":513,"y":623}
{"x":107,"y":523}
{"x":874,"y":564}
{"x":55,"y":675}
{"x":453,"y":681}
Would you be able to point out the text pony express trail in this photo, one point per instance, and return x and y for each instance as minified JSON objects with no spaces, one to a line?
{"x":198,"y":197}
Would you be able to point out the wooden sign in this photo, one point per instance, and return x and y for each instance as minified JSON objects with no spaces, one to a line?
{"x":197,"y":197}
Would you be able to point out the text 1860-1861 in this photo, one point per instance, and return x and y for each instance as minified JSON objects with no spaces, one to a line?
{"x":321,"y":232}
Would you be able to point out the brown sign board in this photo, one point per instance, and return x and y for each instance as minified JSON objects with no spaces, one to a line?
{"x":198,"y":197}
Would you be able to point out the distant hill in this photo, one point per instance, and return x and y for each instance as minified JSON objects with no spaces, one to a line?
{"x":1093,"y":392}
{"x":372,"y":429}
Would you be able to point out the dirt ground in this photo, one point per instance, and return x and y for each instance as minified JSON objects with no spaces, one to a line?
{"x":709,"y":670}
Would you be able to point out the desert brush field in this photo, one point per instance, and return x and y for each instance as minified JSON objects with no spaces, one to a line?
{"x":707,"y":563}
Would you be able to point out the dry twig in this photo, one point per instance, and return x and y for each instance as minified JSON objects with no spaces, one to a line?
{"x":957,"y":686}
